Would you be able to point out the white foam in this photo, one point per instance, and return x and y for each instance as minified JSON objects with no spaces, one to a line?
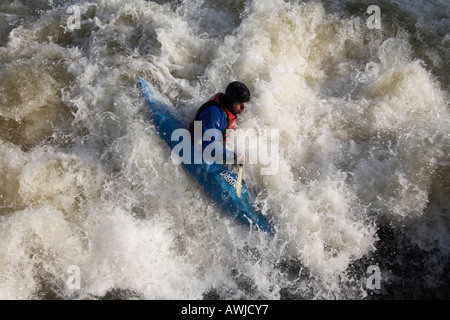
{"x":363,"y":133}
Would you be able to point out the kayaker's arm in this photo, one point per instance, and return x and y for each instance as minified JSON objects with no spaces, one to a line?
{"x":214,"y":118}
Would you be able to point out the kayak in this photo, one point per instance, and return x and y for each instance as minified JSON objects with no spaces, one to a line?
{"x":216,"y":179}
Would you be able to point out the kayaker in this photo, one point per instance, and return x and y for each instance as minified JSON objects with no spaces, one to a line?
{"x":221,"y":112}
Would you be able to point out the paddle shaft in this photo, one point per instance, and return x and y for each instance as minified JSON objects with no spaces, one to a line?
{"x":239,"y":182}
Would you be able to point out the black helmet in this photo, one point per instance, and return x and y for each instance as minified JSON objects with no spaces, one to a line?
{"x":238,"y":92}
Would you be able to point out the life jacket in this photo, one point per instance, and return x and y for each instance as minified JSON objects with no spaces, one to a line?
{"x":215,"y":101}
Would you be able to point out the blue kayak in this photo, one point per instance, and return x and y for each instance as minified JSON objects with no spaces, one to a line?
{"x":216,"y":179}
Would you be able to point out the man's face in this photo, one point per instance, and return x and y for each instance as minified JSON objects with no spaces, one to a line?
{"x":239,"y":107}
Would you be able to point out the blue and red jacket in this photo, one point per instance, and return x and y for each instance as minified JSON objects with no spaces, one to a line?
{"x":214,"y":115}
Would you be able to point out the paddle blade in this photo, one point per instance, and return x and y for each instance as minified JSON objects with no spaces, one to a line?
{"x":239,"y":182}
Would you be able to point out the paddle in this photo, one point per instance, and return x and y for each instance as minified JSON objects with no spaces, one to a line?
{"x":239,"y":182}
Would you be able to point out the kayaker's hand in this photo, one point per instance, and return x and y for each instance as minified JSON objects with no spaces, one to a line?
{"x":240,"y":160}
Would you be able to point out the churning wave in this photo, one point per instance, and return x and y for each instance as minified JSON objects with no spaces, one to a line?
{"x":92,"y":207}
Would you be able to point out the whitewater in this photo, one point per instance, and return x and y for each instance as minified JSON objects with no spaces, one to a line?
{"x":93,"y":207}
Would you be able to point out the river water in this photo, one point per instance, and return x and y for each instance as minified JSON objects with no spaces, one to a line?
{"x":91,"y":206}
